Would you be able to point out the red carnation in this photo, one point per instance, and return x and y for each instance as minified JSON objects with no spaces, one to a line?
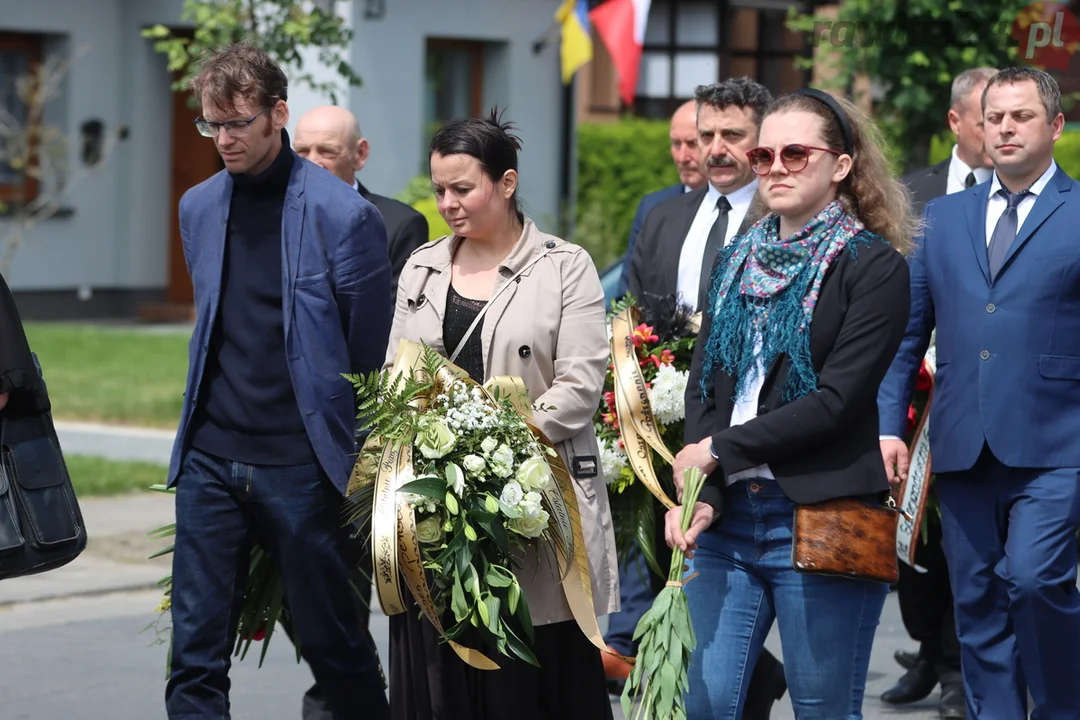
{"x":925,"y":381}
{"x":911,"y":417}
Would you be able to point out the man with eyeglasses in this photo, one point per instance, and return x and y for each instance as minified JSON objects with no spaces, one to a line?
{"x":292,"y":288}
{"x":675,"y":254}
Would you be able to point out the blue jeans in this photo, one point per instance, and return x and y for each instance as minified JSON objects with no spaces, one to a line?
{"x":296,"y":515}
{"x":826,"y":624}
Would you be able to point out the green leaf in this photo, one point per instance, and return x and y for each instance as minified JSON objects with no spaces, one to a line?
{"x":494,"y":621}
{"x":482,"y":608}
{"x":519,"y":648}
{"x":523,"y":615}
{"x":457,"y":600}
{"x":430,"y":487}
{"x":495,"y":578}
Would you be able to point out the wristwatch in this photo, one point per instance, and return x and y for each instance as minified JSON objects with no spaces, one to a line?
{"x":712,"y":451}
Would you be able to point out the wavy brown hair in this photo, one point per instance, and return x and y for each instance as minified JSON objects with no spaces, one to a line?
{"x":870,"y":192}
{"x":240,"y":70}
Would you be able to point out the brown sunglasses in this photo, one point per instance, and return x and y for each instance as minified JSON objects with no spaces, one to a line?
{"x":793,"y":157}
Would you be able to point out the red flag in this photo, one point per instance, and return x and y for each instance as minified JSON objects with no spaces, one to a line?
{"x":621,"y":25}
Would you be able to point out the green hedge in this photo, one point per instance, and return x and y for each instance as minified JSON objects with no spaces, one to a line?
{"x":618,"y":163}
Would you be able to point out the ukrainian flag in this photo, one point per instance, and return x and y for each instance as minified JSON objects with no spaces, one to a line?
{"x":573,"y":16}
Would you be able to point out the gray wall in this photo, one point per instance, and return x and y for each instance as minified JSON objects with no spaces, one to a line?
{"x":389,"y":53}
{"x":118,"y":234}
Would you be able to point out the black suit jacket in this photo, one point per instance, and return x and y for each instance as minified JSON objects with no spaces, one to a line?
{"x":654,"y":266}
{"x":824,"y":445}
{"x":406,"y":230}
{"x":927,"y":184}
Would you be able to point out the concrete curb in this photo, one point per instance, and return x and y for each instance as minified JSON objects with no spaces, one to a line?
{"x":116,"y":442}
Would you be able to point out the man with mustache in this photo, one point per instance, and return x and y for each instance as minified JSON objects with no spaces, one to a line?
{"x":676,"y":250}
{"x":996,"y":273}
{"x":685,"y":153}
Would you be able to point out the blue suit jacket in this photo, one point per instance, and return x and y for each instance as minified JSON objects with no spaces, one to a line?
{"x":1008,"y":353}
{"x":647,"y":203}
{"x":335,"y":300}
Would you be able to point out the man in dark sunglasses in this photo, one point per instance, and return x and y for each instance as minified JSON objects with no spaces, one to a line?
{"x":675,"y":253}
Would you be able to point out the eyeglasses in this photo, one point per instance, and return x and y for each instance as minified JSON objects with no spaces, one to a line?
{"x":793,"y":157}
{"x":235,"y":128}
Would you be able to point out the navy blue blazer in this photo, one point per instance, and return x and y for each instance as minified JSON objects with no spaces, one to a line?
{"x":1008,"y":352}
{"x":336,"y":300}
{"x":647,"y":203}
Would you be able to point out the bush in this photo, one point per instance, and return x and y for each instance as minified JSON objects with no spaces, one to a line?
{"x":427,"y":207}
{"x":618,"y":164}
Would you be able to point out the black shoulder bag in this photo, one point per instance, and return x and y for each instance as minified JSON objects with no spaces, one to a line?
{"x":41,"y":525}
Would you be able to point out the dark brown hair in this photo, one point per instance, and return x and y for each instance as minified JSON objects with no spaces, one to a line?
{"x":870,"y":192}
{"x":239,"y":71}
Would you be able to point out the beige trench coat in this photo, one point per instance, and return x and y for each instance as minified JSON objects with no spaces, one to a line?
{"x":549,"y":329}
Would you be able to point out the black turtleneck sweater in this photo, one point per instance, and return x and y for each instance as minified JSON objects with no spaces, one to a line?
{"x":247,"y":411}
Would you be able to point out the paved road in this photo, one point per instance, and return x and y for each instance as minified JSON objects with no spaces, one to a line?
{"x":92,"y":658}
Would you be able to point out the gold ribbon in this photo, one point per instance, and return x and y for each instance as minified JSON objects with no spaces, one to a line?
{"x":632,"y":408}
{"x":395,"y":547}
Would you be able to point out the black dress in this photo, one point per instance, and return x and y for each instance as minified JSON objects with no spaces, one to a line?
{"x":427,"y":679}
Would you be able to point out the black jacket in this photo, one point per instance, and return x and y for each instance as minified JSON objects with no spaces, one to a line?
{"x":654,"y":266}
{"x":928,"y":183}
{"x":406,"y":230}
{"x":824,"y":445}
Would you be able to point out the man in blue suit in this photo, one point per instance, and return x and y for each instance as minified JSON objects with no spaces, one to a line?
{"x":685,"y":153}
{"x":997,"y":273}
{"x":292,"y":288}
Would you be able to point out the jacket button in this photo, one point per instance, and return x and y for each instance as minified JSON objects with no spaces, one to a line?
{"x":550,"y":244}
{"x":761,"y":409}
{"x":985,"y":354}
{"x":990,"y":308}
{"x":420,"y":300}
{"x":524,"y":351}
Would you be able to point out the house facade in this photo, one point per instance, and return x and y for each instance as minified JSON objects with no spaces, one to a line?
{"x":113,"y":249}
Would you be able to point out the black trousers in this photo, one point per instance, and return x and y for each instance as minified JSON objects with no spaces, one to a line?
{"x":926,"y":605}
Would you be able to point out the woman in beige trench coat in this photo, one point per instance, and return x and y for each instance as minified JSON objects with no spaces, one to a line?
{"x":546,"y":326}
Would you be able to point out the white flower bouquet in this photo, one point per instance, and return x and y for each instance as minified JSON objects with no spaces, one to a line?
{"x":458,"y":484}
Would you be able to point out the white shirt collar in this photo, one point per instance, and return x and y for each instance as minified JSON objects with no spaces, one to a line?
{"x":356,"y":185}
{"x":960,"y":169}
{"x":740,"y":198}
{"x":1036,"y":188}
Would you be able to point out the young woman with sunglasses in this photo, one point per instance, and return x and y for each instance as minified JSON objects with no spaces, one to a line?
{"x":805,"y":313}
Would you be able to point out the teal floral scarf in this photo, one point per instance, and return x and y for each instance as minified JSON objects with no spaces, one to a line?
{"x":763,"y":294}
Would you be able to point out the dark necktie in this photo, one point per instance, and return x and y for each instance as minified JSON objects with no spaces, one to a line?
{"x":712,"y":247}
{"x":1005,"y":231}
{"x":970,"y":180}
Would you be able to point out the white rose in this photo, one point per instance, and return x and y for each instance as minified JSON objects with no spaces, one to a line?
{"x":435,"y":439}
{"x":534,"y":474}
{"x":503,"y":456}
{"x":489,"y":444}
{"x":530,"y":505}
{"x":429,"y":531}
{"x":474,"y":464}
{"x":508,"y":501}
{"x":502,"y":470}
{"x":530,"y":527}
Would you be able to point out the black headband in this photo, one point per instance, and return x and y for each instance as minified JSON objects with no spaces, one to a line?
{"x":841,"y":116}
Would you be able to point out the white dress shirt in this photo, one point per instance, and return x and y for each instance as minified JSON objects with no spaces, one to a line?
{"x":997,"y":204}
{"x":745,"y":410}
{"x":356,"y":185}
{"x":693,"y":249}
{"x":958,"y":172}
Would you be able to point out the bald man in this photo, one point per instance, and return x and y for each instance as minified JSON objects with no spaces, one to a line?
{"x":329,"y":136}
{"x":684,"y":151}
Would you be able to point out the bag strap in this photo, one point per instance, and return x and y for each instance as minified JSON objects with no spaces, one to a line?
{"x":480,"y":315}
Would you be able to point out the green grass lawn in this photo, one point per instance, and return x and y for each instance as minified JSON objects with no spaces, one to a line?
{"x":97,"y":476}
{"x":112,"y":374}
